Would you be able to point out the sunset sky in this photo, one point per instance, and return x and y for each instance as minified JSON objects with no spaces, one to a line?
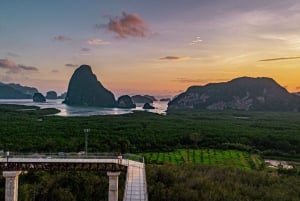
{"x":156,"y":47}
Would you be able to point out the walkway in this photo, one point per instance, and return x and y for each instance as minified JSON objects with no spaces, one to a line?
{"x":136,"y":187}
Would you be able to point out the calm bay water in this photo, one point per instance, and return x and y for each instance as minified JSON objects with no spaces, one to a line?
{"x":65,"y":110}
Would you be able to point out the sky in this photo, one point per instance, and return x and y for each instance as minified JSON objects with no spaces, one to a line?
{"x":156,"y":47}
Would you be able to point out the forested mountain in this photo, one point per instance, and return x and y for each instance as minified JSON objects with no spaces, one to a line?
{"x":244,"y":93}
{"x":16,"y":91}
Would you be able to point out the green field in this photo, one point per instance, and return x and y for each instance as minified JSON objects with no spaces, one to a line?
{"x":213,"y":157}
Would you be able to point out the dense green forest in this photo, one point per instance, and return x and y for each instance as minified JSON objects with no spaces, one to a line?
{"x":186,"y":153}
{"x":270,"y":133}
{"x":193,"y":183}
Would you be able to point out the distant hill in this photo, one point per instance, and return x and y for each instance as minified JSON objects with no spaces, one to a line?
{"x":24,"y":89}
{"x":143,"y":99}
{"x":244,"y":93}
{"x":16,"y":91}
{"x":150,"y":97}
{"x":85,"y":90}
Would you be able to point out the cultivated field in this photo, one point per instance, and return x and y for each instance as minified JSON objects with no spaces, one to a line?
{"x":213,"y":157}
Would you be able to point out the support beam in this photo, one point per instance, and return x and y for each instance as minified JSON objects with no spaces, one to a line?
{"x":11,"y":185}
{"x":113,"y":186}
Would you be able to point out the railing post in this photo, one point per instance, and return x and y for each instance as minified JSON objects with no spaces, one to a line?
{"x":11,"y":185}
{"x":113,"y":186}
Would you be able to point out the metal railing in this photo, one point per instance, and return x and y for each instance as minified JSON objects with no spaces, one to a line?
{"x":145,"y":184}
{"x":72,"y":155}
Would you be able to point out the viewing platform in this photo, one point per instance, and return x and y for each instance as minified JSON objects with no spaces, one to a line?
{"x":132,"y":165}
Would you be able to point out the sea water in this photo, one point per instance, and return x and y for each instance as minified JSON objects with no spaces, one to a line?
{"x":65,"y":110}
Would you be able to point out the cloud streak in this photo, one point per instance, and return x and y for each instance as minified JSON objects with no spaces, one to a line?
{"x":128,"y":25}
{"x":173,"y":58}
{"x":280,"y":58}
{"x":12,"y":67}
{"x":61,"y":38}
{"x":196,"y":80}
{"x":71,"y":65}
{"x":196,"y":41}
{"x":97,"y":42}
{"x":188,"y":80}
{"x":27,"y":68}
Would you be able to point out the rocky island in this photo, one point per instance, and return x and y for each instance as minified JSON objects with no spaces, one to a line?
{"x":125,"y":102}
{"x":51,"y":95}
{"x":38,"y":98}
{"x":85,"y":90}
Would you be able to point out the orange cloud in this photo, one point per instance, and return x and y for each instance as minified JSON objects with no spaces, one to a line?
{"x":128,"y":25}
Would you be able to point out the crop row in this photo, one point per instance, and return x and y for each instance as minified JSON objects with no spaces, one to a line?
{"x":229,"y":158}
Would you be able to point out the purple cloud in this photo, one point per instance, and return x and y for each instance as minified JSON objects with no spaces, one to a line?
{"x":7,"y":64}
{"x":12,"y":67}
{"x":128,"y":25}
